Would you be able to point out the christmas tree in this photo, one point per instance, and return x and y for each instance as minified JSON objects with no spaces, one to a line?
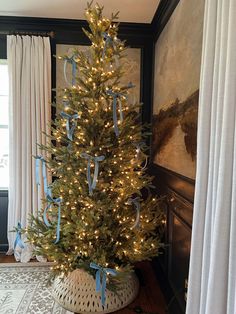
{"x":94,"y":212}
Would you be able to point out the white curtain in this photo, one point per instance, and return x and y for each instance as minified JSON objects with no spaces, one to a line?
{"x":29,"y":64}
{"x":212,"y":276}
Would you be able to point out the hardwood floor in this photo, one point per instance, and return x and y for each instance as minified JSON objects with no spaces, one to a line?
{"x":6,"y":258}
{"x":150,"y":299}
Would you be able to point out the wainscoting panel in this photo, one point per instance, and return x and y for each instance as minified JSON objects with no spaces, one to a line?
{"x":173,"y":265}
{"x":179,"y":257}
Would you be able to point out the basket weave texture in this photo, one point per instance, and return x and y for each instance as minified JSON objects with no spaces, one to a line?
{"x":77,"y":293}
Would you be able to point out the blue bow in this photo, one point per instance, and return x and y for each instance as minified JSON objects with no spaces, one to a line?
{"x":101,"y":286}
{"x":73,"y":63}
{"x":115,"y":95}
{"x":96,"y":159}
{"x":18,"y":240}
{"x":136,"y":202}
{"x":70,"y":129}
{"x":48,"y":194}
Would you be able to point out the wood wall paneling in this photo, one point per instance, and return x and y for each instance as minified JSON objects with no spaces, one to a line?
{"x":172,"y":265}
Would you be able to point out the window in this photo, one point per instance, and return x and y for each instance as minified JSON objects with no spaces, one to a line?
{"x":4,"y":140}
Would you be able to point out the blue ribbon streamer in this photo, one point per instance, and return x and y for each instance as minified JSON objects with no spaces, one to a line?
{"x":56,"y":201}
{"x":73,"y":63}
{"x":39,"y":159}
{"x":70,"y":129}
{"x":102,"y":272}
{"x":48,"y":194}
{"x":96,"y":160}
{"x":136,"y":202}
{"x":18,"y":240}
{"x":139,"y":147}
{"x":108,"y":42}
{"x":115,"y":95}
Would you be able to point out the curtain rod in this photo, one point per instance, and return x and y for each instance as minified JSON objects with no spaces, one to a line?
{"x":24,"y":33}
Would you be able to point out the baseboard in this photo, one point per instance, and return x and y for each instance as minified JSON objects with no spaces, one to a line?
{"x":3,"y":248}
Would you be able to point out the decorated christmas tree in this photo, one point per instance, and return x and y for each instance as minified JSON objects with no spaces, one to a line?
{"x":94,"y":212}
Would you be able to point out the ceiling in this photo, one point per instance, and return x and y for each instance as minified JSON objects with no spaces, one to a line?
{"x":136,"y":11}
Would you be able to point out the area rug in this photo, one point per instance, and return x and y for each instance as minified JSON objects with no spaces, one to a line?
{"x":24,"y":290}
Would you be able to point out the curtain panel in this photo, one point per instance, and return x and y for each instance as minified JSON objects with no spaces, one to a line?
{"x":29,"y":64}
{"x":212,"y":276}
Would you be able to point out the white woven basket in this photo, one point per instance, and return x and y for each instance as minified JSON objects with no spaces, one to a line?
{"x":77,"y":293}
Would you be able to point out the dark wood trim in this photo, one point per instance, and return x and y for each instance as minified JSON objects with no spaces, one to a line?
{"x":162,"y":16}
{"x":53,"y":78}
{"x":146,"y":86}
{"x":70,"y":31}
{"x":181,"y":185}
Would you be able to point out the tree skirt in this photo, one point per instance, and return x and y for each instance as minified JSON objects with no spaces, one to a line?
{"x":24,"y":290}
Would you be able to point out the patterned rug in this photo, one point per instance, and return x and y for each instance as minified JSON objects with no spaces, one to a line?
{"x":24,"y":290}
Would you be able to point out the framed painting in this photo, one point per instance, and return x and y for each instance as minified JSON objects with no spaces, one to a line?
{"x":131,"y":63}
{"x":176,"y":89}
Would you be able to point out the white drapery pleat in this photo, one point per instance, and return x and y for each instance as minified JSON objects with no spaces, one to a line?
{"x":212,"y":275}
{"x":29,"y":64}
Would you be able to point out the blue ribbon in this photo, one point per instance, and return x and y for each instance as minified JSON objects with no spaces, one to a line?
{"x":102,"y":273}
{"x":139,"y":147}
{"x":136,"y":202}
{"x":96,"y":160}
{"x":65,"y":102}
{"x":115,"y":95}
{"x":56,"y":201}
{"x":108,"y":42}
{"x":18,"y":240}
{"x":130,"y":85}
{"x":70,"y":129}
{"x":45,"y":181}
{"x":48,"y":194}
{"x":73,"y":63}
